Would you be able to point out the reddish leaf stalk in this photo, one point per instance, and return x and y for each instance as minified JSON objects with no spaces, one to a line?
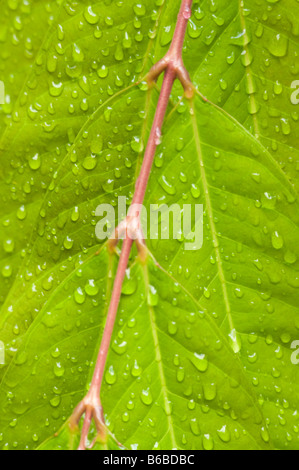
{"x":130,"y":229}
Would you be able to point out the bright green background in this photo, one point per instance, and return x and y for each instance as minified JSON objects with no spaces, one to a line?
{"x":72,"y":134}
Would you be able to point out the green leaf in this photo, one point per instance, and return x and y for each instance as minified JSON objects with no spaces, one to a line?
{"x":201,"y":353}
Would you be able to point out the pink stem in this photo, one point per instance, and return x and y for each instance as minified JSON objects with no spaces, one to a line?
{"x":112,"y":312}
{"x":173,"y":66}
{"x":153,"y":142}
{"x":169,"y":78}
{"x":181,"y":26}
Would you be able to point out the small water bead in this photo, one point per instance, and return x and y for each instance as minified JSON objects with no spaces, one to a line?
{"x":119,"y":346}
{"x":200,"y":362}
{"x":130,"y":405}
{"x":55,"y":402}
{"x":172,"y":328}
{"x":139,"y":9}
{"x":52,"y":63}
{"x":195,"y":191}
{"x":231,"y":58}
{"x":47,"y":284}
{"x":110,"y":376}
{"x":13,"y":423}
{"x":146,"y":397}
{"x":167,"y":186}
{"x":166,"y":35}
{"x":252,"y":358}
{"x":207,"y":293}
{"x":9,"y":245}
{"x":277,"y":241}
{"x":136,"y":370}
{"x":180,"y":376}
{"x":109,"y":21}
{"x":239,"y":293}
{"x":285,"y":338}
{"x":56,"y":89}
{"x":90,"y":16}
{"x":130,"y":284}
{"x":56,"y":353}
{"x":79,"y":296}
{"x":223,"y":84}
{"x":96,"y":146}
{"x":108,"y":186}
{"x":210,"y":391}
{"x":75,"y":214}
{"x":194,"y":427}
{"x":224,"y":434}
{"x":119,"y":53}
{"x":90,"y":162}
{"x":49,"y":320}
{"x":235,"y":341}
{"x":152,"y":298}
{"x":207,"y":442}
{"x":194,"y":31}
{"x":59,"y":369}
{"x":137,"y":144}
{"x":77,"y":54}
{"x":91,"y":288}
{"x":125,"y":417}
{"x":278,"y":46}
{"x":127,"y":41}
{"x":278,"y":88}
{"x":285,"y":126}
{"x":68,"y":243}
{"x":35,"y":162}
{"x":6,"y":271}
{"x":265,"y":435}
{"x":21,"y":213}
{"x":290,"y":257}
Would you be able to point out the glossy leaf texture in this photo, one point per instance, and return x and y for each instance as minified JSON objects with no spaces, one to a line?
{"x":201,"y":353}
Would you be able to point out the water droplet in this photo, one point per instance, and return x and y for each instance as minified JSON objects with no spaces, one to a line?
{"x":58,"y":369}
{"x":110,"y":376}
{"x":90,"y":16}
{"x":235,"y":341}
{"x":224,"y":434}
{"x":79,"y":296}
{"x":21,"y":213}
{"x":152,"y":297}
{"x":68,"y":243}
{"x":207,"y":442}
{"x":277,"y":241}
{"x":278,"y":46}
{"x":35,"y":162}
{"x":210,"y":391}
{"x":129,"y":285}
{"x":137,"y":145}
{"x":146,"y":397}
{"x":91,"y":288}
{"x":168,"y":187}
{"x":90,"y":162}
{"x":55,"y":402}
{"x":8,"y":245}
{"x":200,"y":362}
